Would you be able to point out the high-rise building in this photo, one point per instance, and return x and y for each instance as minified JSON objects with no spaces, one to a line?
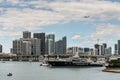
{"x":41,"y":37}
{"x":11,"y":50}
{"x":96,"y":52}
{"x":0,"y":48}
{"x":100,"y":49}
{"x":97,"y":49}
{"x":64,"y":39}
{"x":26,"y":34}
{"x":108,"y":51}
{"x":119,"y":47}
{"x":60,"y":46}
{"x":17,"y":47}
{"x":116,"y":49}
{"x":49,"y":48}
{"x":104,"y":47}
{"x":86,"y":50}
{"x":50,"y":44}
{"x":26,"y":48}
{"x":36,"y":46}
{"x":74,"y":50}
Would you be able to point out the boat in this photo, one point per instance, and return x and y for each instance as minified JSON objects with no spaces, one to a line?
{"x":75,"y":61}
{"x":9,"y":74}
{"x":44,"y":63}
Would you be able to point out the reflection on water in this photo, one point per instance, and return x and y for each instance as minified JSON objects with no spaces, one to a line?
{"x":33,"y":71}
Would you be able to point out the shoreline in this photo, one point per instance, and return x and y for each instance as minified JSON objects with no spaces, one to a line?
{"x":113,"y":70}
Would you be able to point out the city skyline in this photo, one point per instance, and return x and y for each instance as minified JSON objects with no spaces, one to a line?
{"x":82,"y":21}
{"x":39,"y":44}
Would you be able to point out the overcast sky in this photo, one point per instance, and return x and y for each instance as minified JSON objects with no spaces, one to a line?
{"x":82,"y":21}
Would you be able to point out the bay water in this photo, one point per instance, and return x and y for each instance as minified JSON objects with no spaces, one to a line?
{"x":33,"y":71}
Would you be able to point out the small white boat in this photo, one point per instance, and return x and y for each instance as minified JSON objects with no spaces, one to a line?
{"x":9,"y":74}
{"x":44,"y":63}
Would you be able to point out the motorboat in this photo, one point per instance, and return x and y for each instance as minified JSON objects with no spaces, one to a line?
{"x":9,"y":74}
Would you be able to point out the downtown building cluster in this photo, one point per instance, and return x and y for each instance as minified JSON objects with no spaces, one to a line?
{"x":97,"y":50}
{"x":103,"y":50}
{"x":40,"y":44}
{"x":80,"y":50}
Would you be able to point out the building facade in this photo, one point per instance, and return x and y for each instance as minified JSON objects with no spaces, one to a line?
{"x":1,"y":48}
{"x":100,"y":49}
{"x":36,"y":46}
{"x":74,"y":50}
{"x":116,"y":48}
{"x":26,"y":35}
{"x":119,"y":47}
{"x":50,"y":44}
{"x":64,"y":39}
{"x":97,"y":49}
{"x":41,"y":37}
{"x":60,"y":46}
{"x":108,"y":51}
{"x":27,"y":46}
{"x":17,"y":47}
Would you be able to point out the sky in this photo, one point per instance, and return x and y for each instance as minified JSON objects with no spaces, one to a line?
{"x":82,"y":21}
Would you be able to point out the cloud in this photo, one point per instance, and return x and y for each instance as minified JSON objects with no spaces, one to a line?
{"x":106,"y":30}
{"x":76,"y":37}
{"x":95,"y":9}
{"x":16,"y":20}
{"x":19,"y":15}
{"x":9,"y":34}
{"x":50,"y":33}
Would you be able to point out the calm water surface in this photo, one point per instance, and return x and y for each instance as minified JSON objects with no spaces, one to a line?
{"x":32,"y":71}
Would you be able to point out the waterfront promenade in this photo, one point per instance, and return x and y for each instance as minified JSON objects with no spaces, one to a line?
{"x":13,"y":57}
